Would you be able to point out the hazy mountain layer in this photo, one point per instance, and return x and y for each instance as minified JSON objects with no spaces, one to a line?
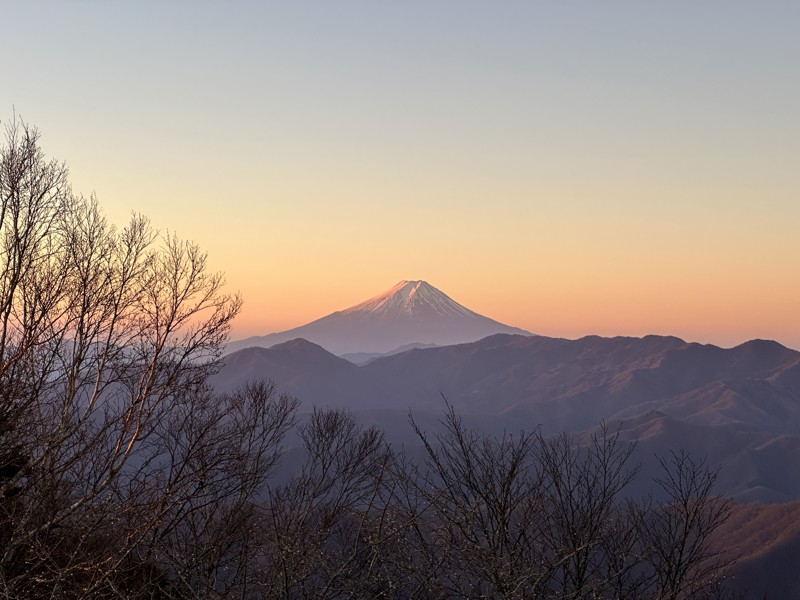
{"x":360,"y":358}
{"x":412,"y":312}
{"x":739,"y":406}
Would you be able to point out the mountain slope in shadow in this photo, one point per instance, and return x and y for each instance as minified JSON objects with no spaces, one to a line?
{"x":739,"y":406}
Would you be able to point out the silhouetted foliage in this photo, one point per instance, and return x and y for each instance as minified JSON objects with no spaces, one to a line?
{"x":104,"y":333}
{"x":527,"y":516}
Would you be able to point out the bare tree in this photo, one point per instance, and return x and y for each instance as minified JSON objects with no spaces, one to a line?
{"x":533,"y":517}
{"x":581,"y":487}
{"x":100,"y":329}
{"x":478,"y":499}
{"x":193,"y":501}
{"x":325,"y":524}
{"x":675,"y":533}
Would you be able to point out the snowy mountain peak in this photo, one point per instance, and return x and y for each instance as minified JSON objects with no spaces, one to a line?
{"x":411,"y":312}
{"x":411,"y":298}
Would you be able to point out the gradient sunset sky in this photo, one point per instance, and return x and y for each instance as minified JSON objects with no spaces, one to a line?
{"x":572,"y":168}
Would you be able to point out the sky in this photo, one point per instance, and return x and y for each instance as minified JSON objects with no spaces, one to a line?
{"x":571,"y":168}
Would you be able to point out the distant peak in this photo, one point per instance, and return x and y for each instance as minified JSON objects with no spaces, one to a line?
{"x":409,"y":297}
{"x":296,"y":344}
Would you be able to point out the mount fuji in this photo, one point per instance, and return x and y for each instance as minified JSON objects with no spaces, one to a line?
{"x":411,"y":312}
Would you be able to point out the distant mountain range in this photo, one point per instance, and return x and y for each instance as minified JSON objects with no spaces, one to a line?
{"x":410,"y":313}
{"x":739,"y":406}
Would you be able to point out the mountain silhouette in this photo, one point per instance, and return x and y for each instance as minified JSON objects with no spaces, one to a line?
{"x":739,"y":406}
{"x":411,"y":312}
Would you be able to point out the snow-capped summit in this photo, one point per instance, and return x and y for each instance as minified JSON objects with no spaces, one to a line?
{"x":411,"y":298}
{"x":411,"y":312}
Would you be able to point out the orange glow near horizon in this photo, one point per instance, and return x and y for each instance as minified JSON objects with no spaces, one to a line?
{"x":566,"y":171}
{"x":723,"y":317}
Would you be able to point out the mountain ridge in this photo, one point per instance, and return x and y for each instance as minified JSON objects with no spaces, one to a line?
{"x":740,"y":406}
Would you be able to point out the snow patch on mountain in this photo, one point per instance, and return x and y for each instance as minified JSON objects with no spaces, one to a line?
{"x":411,"y":297}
